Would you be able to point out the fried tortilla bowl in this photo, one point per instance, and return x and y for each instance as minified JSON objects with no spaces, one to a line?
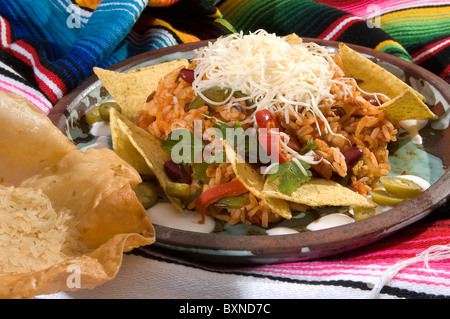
{"x":67,"y":217}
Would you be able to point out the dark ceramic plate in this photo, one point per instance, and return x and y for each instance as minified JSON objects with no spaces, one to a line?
{"x":252,"y":246}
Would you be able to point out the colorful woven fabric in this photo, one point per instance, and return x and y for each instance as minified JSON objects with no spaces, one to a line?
{"x":414,"y":30}
{"x":48,"y":48}
{"x":421,"y":27}
{"x":353,"y":275}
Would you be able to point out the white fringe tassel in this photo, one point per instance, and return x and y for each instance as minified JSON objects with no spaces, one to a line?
{"x":433,"y":253}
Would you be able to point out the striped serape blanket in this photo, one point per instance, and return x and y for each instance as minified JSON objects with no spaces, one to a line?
{"x":49,"y":48}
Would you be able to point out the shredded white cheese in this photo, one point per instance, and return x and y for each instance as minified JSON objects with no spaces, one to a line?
{"x":272,"y":73}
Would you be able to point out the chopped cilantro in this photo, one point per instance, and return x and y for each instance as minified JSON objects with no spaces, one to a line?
{"x":310,"y":145}
{"x":291,"y":175}
{"x":245,"y":142}
{"x":200,"y":172}
{"x":222,"y":127}
{"x":184,"y":146}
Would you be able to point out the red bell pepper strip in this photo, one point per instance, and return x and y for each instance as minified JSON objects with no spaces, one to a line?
{"x":270,"y":141}
{"x":265,"y":119}
{"x":229,"y":189}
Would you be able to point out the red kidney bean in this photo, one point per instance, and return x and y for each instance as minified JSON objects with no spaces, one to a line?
{"x":372,"y":100}
{"x":151,"y":96}
{"x":187,"y":75}
{"x":176,"y":172}
{"x":352,"y":156}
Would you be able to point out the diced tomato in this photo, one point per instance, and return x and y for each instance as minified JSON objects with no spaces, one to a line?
{"x":269,"y":137}
{"x":229,"y":189}
{"x":294,"y":144}
{"x":270,"y":141}
{"x":254,"y":219}
{"x":359,"y":188}
{"x":266,"y":120}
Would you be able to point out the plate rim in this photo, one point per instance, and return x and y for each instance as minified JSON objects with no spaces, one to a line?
{"x":265,"y":248}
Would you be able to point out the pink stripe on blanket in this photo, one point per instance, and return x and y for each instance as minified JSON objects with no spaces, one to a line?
{"x":33,"y":99}
{"x":372,"y":8}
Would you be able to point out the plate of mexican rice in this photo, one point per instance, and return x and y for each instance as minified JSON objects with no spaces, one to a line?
{"x":259,"y":148}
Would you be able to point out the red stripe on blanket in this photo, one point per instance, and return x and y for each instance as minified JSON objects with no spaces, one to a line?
{"x":446,"y":74}
{"x":5,"y":33}
{"x":334,"y":31}
{"x":406,"y":243}
{"x":430,"y":50}
{"x":48,"y":82}
{"x":52,"y":86}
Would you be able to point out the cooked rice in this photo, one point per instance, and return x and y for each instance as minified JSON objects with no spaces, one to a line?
{"x":33,"y":236}
{"x":353,"y":120}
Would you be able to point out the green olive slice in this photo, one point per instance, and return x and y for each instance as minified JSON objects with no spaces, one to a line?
{"x":400,"y":187}
{"x":93,"y":115}
{"x":104,"y":110}
{"x":382,"y":197}
{"x":360,"y":213}
{"x":147,"y":193}
{"x":180,"y":190}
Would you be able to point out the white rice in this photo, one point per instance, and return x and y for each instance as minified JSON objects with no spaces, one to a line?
{"x":33,"y":236}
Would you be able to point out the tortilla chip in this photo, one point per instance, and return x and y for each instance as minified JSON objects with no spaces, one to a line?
{"x":407,"y":106}
{"x":123,"y":147}
{"x":131,"y":90}
{"x":94,"y":189}
{"x":370,"y":76}
{"x":254,"y":182}
{"x":319,"y":192}
{"x":149,"y":147}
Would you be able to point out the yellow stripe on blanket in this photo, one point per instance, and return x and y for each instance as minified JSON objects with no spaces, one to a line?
{"x":386,"y":43}
{"x":184,"y":37}
{"x":161,"y":3}
{"x":91,"y":4}
{"x":415,"y":16}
